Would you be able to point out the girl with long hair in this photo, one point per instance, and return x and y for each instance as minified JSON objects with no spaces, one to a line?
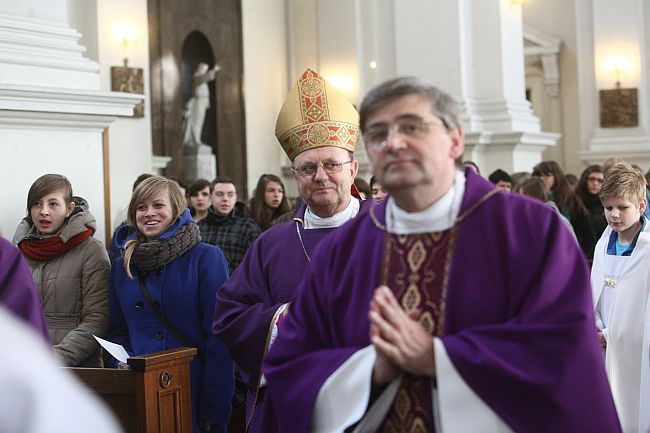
{"x":70,"y":269}
{"x":166,"y":272}
{"x":269,"y":201}
{"x":588,"y":189}
{"x":569,"y":204}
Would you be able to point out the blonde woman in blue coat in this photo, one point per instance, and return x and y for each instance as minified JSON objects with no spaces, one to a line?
{"x":166,"y":258}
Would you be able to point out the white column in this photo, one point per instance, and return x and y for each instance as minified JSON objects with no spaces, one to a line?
{"x":338,"y":46}
{"x":617,"y":32}
{"x":38,"y":46}
{"x":474,"y":50}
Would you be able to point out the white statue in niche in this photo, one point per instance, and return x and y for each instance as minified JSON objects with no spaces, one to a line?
{"x":194,"y":114}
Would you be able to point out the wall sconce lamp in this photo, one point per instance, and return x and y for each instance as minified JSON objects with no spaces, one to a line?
{"x":126,"y":36}
{"x":619,"y":107}
{"x":125,"y":78}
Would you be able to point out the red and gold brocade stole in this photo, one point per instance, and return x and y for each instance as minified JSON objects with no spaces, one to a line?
{"x":416,"y":268}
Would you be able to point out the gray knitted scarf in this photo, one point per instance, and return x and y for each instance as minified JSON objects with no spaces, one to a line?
{"x":152,"y":255}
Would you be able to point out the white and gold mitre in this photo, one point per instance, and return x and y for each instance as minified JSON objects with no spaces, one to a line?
{"x":316,"y":114}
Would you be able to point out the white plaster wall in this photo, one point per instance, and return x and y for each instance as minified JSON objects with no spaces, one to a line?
{"x":558,"y":18}
{"x":38,"y":147}
{"x":51,"y":10}
{"x":265,"y":85}
{"x":338,"y":45}
{"x":302,"y":38}
{"x":74,"y":154}
{"x":376,"y":24}
{"x":129,"y":138}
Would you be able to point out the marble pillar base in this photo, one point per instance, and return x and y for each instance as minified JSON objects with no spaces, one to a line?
{"x":511,"y":151}
{"x":199,"y":163}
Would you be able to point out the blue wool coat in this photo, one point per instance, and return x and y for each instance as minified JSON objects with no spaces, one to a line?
{"x":186,"y":290}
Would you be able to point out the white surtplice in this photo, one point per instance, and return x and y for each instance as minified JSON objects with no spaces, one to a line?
{"x":621,"y":285}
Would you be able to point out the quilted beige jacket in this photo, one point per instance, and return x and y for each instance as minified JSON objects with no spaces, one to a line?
{"x":74,"y":292}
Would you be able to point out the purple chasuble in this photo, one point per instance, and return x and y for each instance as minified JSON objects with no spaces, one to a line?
{"x":415,"y":268}
{"x":17,"y":290}
{"x":247,"y":304}
{"x":518,"y":318}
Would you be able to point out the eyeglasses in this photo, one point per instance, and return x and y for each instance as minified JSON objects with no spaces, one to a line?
{"x":309,"y":169}
{"x":376,"y":136}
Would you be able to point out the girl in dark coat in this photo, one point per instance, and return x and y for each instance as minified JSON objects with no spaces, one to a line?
{"x":588,"y":189}
{"x":569,"y":204}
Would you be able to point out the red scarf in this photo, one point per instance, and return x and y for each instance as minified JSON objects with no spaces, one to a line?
{"x":49,"y":248}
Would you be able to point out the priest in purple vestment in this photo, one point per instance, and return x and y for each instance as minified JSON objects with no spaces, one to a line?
{"x":17,"y":290}
{"x":318,"y":129}
{"x":451,"y":306}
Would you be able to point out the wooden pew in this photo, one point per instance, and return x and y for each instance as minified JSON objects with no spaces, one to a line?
{"x":154,"y":396}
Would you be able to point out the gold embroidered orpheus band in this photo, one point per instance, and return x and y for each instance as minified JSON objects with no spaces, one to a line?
{"x":416,"y":268}
{"x":313,"y":100}
{"x":315,"y":114}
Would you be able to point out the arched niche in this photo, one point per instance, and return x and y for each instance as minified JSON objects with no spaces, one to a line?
{"x":173,"y":51}
{"x":197,"y":49}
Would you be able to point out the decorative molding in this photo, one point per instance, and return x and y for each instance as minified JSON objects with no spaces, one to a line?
{"x":51,"y":108}
{"x":42,"y":43}
{"x":544,"y":48}
{"x":528,"y":140}
{"x":159,"y":163}
{"x":631,"y":155}
{"x":498,"y":115}
{"x":509,"y":150}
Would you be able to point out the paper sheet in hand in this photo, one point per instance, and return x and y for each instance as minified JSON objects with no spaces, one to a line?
{"x":116,"y":350}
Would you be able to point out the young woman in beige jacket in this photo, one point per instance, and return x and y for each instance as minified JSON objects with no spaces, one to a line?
{"x":70,"y":269}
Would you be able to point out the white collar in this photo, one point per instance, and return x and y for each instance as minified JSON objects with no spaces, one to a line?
{"x":313,"y":221}
{"x":440,"y":216}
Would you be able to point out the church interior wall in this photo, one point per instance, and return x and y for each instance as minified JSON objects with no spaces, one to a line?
{"x":27,"y":162}
{"x":612,"y":37}
{"x":265,"y":86}
{"x":129,"y":138}
{"x":557,"y":18}
{"x":56,"y":103}
{"x":339,"y":39}
{"x":130,"y":147}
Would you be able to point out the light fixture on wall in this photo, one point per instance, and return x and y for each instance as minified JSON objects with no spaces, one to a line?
{"x":617,"y":66}
{"x":518,"y":2}
{"x":126,"y":36}
{"x":619,"y":107}
{"x":125,"y":78}
{"x":341,"y":81}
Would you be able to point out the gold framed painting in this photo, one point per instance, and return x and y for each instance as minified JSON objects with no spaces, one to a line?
{"x":129,"y":80}
{"x":619,"y":108}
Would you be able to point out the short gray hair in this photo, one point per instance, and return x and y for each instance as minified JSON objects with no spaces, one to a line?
{"x":442,"y":104}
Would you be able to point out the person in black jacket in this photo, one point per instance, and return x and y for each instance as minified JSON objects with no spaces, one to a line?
{"x":228,"y":224}
{"x":588,"y":189}
{"x":569,"y":203}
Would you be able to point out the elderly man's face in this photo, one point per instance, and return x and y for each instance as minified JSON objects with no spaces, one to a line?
{"x":412,"y":157}
{"x":326,"y":193}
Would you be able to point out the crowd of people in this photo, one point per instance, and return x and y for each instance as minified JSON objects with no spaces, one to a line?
{"x":429,"y":299}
